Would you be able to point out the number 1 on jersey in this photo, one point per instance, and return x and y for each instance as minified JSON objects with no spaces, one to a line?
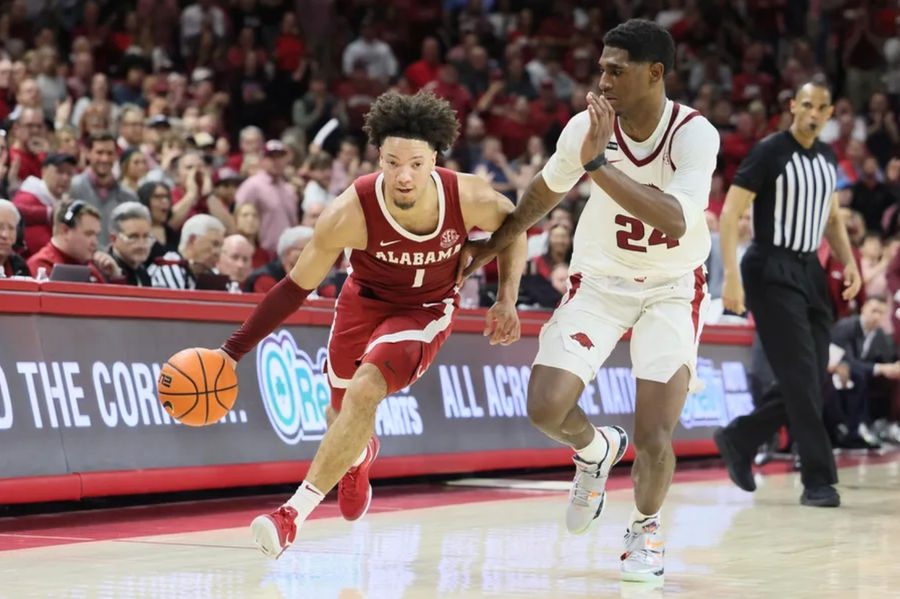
{"x":420,"y":276}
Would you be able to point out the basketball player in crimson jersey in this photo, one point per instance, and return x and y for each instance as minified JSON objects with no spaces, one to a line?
{"x":405,"y":227}
{"x":639,"y":251}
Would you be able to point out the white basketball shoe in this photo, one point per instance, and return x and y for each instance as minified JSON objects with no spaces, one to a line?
{"x":588,"y":494}
{"x":644,"y":551}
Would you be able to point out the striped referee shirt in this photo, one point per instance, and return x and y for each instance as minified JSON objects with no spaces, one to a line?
{"x":793,"y":187}
{"x":171,"y":271}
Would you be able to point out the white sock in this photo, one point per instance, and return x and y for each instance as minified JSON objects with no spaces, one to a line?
{"x":305,"y":500}
{"x":596,"y":450}
{"x":361,"y":457}
{"x":637,"y":516}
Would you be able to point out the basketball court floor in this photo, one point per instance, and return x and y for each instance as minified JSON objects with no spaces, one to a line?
{"x":484,"y":538}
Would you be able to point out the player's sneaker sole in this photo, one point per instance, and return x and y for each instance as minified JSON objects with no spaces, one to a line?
{"x":655,"y":576}
{"x":265,"y":535}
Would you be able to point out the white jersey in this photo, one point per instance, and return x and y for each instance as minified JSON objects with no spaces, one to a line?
{"x":678,"y":158}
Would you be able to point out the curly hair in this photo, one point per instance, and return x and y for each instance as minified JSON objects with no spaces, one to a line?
{"x":423,"y":116}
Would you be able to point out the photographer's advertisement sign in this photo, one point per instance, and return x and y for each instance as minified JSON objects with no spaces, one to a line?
{"x":79,"y":395}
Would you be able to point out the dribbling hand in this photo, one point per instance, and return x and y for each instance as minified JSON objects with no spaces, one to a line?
{"x":228,"y":359}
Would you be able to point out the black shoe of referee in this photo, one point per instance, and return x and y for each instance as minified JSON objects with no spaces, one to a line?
{"x":824,"y":496}
{"x":740,"y":468}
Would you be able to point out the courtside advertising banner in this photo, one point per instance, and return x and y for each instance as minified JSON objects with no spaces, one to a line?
{"x":79,"y":395}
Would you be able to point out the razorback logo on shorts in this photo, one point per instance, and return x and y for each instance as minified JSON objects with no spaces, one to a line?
{"x":449,"y":238}
{"x":583,"y":340}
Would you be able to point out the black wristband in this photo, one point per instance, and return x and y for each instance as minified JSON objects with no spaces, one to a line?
{"x":596,"y":163}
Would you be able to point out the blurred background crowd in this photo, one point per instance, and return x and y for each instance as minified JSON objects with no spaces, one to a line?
{"x":188,"y":144}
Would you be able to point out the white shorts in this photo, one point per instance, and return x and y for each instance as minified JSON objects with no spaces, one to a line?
{"x":665,"y":316}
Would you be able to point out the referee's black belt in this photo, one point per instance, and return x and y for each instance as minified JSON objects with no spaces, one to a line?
{"x":774,"y":250}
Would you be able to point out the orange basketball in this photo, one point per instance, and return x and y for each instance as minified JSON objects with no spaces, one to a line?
{"x":197,"y":386}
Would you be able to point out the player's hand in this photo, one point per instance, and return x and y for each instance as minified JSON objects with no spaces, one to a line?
{"x":502,"y":323}
{"x":733,"y":294}
{"x":852,"y":282}
{"x":602,"y":117}
{"x":472,"y":256}
{"x":227,"y":358}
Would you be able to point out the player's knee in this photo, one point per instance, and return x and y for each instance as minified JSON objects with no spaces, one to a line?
{"x":653,"y":443}
{"x":547,"y":410}
{"x":366,"y":390}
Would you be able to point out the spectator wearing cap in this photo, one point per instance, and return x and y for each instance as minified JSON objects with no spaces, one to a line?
{"x":29,"y":144}
{"x":236,"y":258}
{"x":76,"y":225}
{"x":11,"y":264}
{"x":133,"y":166}
{"x":290,"y":243}
{"x":225,"y":184}
{"x":130,"y":242}
{"x":274,"y":198}
{"x":39,"y":196}
{"x":378,"y":57}
{"x":97,"y":185}
{"x":198,"y":254}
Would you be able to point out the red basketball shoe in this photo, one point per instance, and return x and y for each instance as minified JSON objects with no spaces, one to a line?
{"x":273,"y":533}
{"x":354,"y":490}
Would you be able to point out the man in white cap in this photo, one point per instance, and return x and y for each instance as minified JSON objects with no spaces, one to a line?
{"x":274,"y":198}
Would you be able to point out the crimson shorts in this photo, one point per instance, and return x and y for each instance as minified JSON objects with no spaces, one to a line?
{"x":400,"y":340}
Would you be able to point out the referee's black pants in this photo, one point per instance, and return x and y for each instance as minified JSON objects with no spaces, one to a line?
{"x":787,"y":293}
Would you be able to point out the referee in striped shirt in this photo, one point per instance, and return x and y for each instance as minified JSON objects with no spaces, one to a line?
{"x":791,"y":175}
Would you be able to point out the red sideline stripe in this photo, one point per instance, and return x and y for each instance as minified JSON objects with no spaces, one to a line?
{"x":160,"y":480}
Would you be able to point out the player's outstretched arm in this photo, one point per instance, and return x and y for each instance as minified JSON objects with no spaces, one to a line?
{"x":341,"y":225}
{"x":486,"y":209}
{"x":536,"y":201}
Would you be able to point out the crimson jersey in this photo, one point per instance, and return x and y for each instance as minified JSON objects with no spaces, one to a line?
{"x":399,"y":266}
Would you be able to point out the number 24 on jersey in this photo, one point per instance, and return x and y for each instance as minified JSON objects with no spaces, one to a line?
{"x":631,"y":237}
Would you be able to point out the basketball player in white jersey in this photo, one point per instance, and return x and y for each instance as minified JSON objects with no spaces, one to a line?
{"x":640,"y":246}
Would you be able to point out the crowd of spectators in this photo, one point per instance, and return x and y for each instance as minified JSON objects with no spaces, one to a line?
{"x":193,"y":144}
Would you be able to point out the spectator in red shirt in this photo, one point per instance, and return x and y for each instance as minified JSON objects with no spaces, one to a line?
{"x":11,"y":264}
{"x":38,"y":196}
{"x":448,"y":87}
{"x":513,"y":128}
{"x":246,"y":217}
{"x":735,"y":146}
{"x":5,"y":74}
{"x":30,"y":145}
{"x":289,"y":46}
{"x":75,"y":229}
{"x":548,"y":110}
{"x":751,"y":83}
{"x":425,"y":70}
